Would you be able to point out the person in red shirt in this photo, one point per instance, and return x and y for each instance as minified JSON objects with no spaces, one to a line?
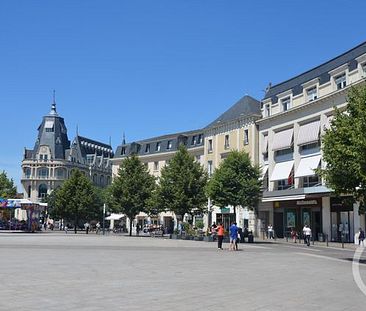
{"x":220,"y":235}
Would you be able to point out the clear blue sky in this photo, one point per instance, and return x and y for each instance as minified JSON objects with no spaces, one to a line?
{"x":152,"y":67}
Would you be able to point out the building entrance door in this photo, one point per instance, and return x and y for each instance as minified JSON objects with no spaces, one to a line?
{"x":278,"y":225}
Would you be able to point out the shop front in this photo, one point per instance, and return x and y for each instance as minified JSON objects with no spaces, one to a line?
{"x":342,"y":219}
{"x":295,"y":214}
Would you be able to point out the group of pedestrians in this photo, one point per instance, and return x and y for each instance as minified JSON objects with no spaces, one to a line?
{"x":233,"y":232}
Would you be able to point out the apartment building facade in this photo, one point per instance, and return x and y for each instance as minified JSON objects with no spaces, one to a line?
{"x":295,"y":114}
{"x":155,"y":153}
{"x":50,"y":162}
{"x":235,"y":129}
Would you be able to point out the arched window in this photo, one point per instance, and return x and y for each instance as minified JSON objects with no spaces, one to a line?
{"x":60,"y":173}
{"x":42,"y":172}
{"x":42,"y":191}
{"x":102,"y":180}
{"x":27,"y":172}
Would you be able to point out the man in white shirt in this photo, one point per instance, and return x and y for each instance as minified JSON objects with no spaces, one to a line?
{"x":307,"y":234}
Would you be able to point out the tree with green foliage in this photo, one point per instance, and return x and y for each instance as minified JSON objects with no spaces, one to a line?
{"x":76,"y":200}
{"x":132,"y":188}
{"x":344,"y":149}
{"x":7,"y":188}
{"x":182,"y":185}
{"x":235,"y":182}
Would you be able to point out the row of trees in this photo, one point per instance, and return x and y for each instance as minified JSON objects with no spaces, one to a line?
{"x":182,"y":188}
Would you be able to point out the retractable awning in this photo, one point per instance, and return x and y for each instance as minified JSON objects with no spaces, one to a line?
{"x":308,"y":133}
{"x":115,"y":217}
{"x":307,"y":166}
{"x":282,"y":170}
{"x":283,"y":139}
{"x":265,"y":144}
{"x":264,"y":170}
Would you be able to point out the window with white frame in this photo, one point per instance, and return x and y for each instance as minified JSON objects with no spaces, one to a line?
{"x":340,"y":81}
{"x":169,"y":145}
{"x":90,"y":158}
{"x":312,"y":94}
{"x":194,"y":140}
{"x":246,"y":137}
{"x":147,"y":148}
{"x":286,"y":103}
{"x":364,"y":69}
{"x":209,"y":148}
{"x":227,"y":142}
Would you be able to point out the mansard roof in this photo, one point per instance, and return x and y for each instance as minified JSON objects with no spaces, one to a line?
{"x":52,"y":133}
{"x":247,"y":106}
{"x":90,"y":146}
{"x":321,"y":72}
{"x":162,"y":144}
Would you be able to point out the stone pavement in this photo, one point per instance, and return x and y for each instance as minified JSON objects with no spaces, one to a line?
{"x":58,"y":271}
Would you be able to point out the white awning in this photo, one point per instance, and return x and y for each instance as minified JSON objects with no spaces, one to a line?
{"x":284,"y":198}
{"x":283,"y":139}
{"x":282,"y":170}
{"x":265,"y":144}
{"x":49,"y":124}
{"x":308,"y":133}
{"x":264,"y":170}
{"x":307,"y":166}
{"x":115,"y":216}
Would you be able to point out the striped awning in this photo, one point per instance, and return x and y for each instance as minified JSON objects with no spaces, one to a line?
{"x":308,"y":133}
{"x":307,"y":166}
{"x":282,"y":170}
{"x":283,"y":139}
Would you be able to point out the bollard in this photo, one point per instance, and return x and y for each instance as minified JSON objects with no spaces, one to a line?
{"x":313,"y":239}
{"x":326,"y":237}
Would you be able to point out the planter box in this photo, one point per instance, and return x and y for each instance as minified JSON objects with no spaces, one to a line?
{"x":208,"y":239}
{"x":174,"y":236}
{"x":198,"y":238}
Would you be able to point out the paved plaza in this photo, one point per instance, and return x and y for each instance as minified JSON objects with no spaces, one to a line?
{"x":57,"y":271}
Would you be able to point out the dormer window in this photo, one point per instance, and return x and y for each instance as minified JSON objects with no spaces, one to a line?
{"x":286,"y":103}
{"x":364,"y":69}
{"x":123,"y":151}
{"x":158,"y":146}
{"x":199,"y":139}
{"x":49,"y":126}
{"x":312,"y":94}
{"x":340,"y":81}
{"x":147,"y":148}
{"x":194,"y":140}
{"x":267,"y":110}
{"x":169,"y":145}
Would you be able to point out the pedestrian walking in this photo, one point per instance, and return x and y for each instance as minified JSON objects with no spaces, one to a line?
{"x":270,"y":232}
{"x":361,"y":237}
{"x":293,"y":235}
{"x":220,"y":235}
{"x":65,"y":228}
{"x":87,"y":227}
{"x":233,"y":236}
{"x":307,"y":234}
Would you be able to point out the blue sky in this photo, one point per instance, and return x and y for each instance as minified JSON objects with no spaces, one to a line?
{"x":152,"y":67}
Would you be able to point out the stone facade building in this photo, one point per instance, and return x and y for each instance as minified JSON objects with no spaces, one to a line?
{"x":49,"y":163}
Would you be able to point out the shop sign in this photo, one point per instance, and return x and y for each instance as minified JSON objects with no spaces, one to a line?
{"x":225,"y":210}
{"x":307,"y":202}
